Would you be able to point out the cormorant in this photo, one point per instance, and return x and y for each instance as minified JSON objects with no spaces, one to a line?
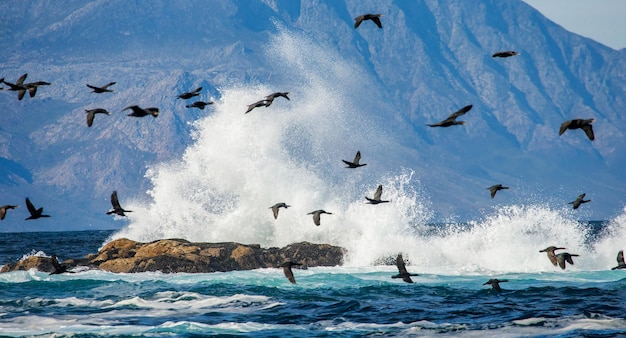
{"x":58,"y":267}
{"x":579,"y":200}
{"x":287,"y":270}
{"x":32,"y":87}
{"x":199,"y":104}
{"x":140,"y":112}
{"x":4,"y":208}
{"x":277,"y":206}
{"x":262,"y":103}
{"x":34,"y":213}
{"x":451,"y":120}
{"x":620,"y":261}
{"x":18,"y":86}
{"x":316,"y":215}
{"x":551,"y":255}
{"x":505,"y":54}
{"x":494,"y":188}
{"x":565,"y":257}
{"x":117,"y":209}
{"x":270,"y":98}
{"x":189,"y":95}
{"x":402,"y":273}
{"x":91,"y":114}
{"x":374,"y":17}
{"x":103,"y":89}
{"x":355,"y":163}
{"x":495,"y":283}
{"x":376,"y":199}
{"x":583,"y":124}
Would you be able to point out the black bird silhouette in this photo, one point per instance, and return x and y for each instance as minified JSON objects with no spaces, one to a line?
{"x":505,"y":54}
{"x":376,"y":199}
{"x":355,"y":163}
{"x":277,"y":206}
{"x":316,"y":215}
{"x":287,"y":270}
{"x":103,"y":89}
{"x":451,"y":120}
{"x":374,"y":17}
{"x":34,"y":213}
{"x":565,"y":257}
{"x":91,"y":114}
{"x":3,"y":210}
{"x":495,"y":283}
{"x":32,"y":87}
{"x":117,"y":208}
{"x":494,"y":188}
{"x":583,"y":124}
{"x":270,"y":98}
{"x":579,"y":200}
{"x":262,"y":103}
{"x":191,"y":94}
{"x":402,"y":273}
{"x":620,"y":261}
{"x":140,"y":112}
{"x":18,"y":86}
{"x":199,"y":104}
{"x":551,"y":255}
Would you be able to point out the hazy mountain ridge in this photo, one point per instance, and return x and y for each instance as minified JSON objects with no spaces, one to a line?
{"x":430,"y":59}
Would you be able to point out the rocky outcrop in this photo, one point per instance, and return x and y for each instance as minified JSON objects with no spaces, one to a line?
{"x":179,"y":255}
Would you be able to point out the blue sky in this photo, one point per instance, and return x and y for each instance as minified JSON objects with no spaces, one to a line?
{"x":601,"y":20}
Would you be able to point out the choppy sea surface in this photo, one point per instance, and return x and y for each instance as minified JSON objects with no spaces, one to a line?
{"x":345,"y":301}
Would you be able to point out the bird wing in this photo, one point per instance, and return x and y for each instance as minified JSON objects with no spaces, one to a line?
{"x":378,"y":193}
{"x":357,"y":157}
{"x":275,"y":211}
{"x":90,"y":117}
{"x":289,"y":274}
{"x":589,"y":131}
{"x":30,"y":207}
{"x":561,"y":260}
{"x":20,"y":94}
{"x":316,"y":218}
{"x":377,"y":22}
{"x":460,"y":112}
{"x":32,"y":91}
{"x":135,"y":109}
{"x":564,"y":127}
{"x":493,"y":191}
{"x":114,"y":201}
{"x":358,"y":21}
{"x":92,"y":87}
{"x":3,"y":213}
{"x":108,"y":85}
{"x":552,"y":257}
{"x":400,"y":265}
{"x":620,"y":258}
{"x":569,"y":259}
{"x":20,"y":81}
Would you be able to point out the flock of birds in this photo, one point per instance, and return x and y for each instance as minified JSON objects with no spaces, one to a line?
{"x":556,"y":259}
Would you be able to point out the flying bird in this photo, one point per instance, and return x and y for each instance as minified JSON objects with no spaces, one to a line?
{"x":451,"y":120}
{"x":34,"y":213}
{"x":117,"y":208}
{"x":103,"y":89}
{"x":504,"y":54}
{"x":287,"y":270}
{"x":565,"y":257}
{"x":91,"y":114}
{"x":376,"y":199}
{"x":277,"y":206}
{"x":494,"y":188}
{"x":191,"y":94}
{"x":402,"y":273}
{"x":579,"y":200}
{"x":3,"y":210}
{"x":495,"y":283}
{"x":551,"y":255}
{"x":199,"y":104}
{"x":620,"y":261}
{"x":32,"y":87}
{"x":355,"y":163}
{"x":316,"y":215}
{"x":140,"y":112}
{"x":270,"y":98}
{"x":374,"y":17}
{"x":262,"y":103}
{"x":18,"y":86}
{"x":583,"y":124}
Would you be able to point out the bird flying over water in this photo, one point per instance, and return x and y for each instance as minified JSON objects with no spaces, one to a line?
{"x":355,"y":163}
{"x":262,"y":103}
{"x":620,"y":261}
{"x":504,"y":54}
{"x":565,"y":257}
{"x":551,"y":255}
{"x":103,"y":89}
{"x":140,"y":112}
{"x":91,"y":114}
{"x":584,"y":124}
{"x":402,"y":272}
{"x":117,"y":208}
{"x":495,"y":188}
{"x":451,"y":120}
{"x":34,"y":213}
{"x":287,"y":270}
{"x":270,"y":98}
{"x":4,"y":208}
{"x":191,"y":94}
{"x":579,"y":200}
{"x":199,"y":104}
{"x":374,"y":17}
{"x":377,"y":194}
{"x":495,"y":283}
{"x":277,"y":206}
{"x":316,"y":215}
{"x":18,"y":86}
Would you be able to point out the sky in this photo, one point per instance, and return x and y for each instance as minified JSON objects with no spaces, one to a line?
{"x":601,"y":20}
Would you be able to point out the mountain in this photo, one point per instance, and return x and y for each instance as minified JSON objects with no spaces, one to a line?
{"x":429,"y":59}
